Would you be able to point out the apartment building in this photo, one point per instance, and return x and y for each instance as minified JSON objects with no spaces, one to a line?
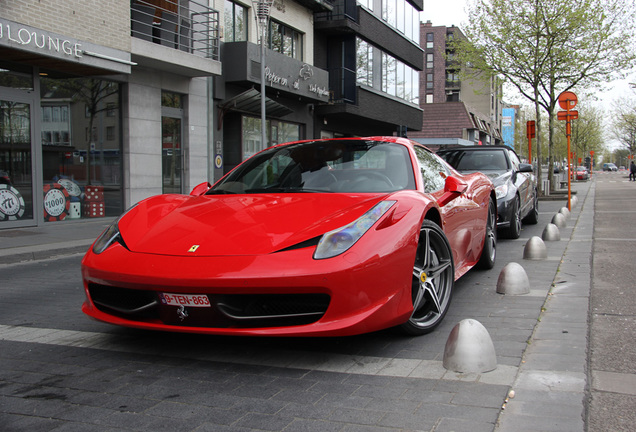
{"x":456,"y":110}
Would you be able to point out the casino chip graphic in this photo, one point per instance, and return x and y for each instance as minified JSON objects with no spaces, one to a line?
{"x":56,"y":202}
{"x":11,"y":203}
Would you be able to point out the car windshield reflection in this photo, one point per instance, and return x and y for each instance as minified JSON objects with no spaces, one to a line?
{"x":333,"y":166}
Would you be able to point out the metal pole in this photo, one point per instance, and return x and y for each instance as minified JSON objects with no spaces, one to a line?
{"x":262,"y":11}
{"x":263,"y":114}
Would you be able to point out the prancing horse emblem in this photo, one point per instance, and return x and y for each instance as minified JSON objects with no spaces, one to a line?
{"x":194,"y":248}
{"x":182,"y":312}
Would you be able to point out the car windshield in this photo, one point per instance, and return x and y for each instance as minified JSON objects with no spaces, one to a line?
{"x":323,"y":166}
{"x":478,"y":160}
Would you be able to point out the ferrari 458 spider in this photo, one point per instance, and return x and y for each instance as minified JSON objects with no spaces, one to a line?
{"x":313,"y":238}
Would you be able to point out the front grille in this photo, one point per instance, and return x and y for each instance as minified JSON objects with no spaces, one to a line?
{"x":226,"y":310}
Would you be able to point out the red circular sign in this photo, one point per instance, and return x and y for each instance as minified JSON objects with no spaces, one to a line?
{"x":567,"y":100}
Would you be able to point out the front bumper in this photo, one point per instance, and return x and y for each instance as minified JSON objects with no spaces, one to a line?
{"x":280,"y":294}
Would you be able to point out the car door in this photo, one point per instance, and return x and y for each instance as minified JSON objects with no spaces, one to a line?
{"x":460,"y":215}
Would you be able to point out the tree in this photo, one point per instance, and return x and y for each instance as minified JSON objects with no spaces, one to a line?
{"x":623,"y":126}
{"x":544,"y":47}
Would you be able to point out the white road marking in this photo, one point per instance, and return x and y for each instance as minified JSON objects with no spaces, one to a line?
{"x":363,"y":365}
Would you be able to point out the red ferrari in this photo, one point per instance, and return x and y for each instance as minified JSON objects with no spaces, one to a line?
{"x":313,"y":238}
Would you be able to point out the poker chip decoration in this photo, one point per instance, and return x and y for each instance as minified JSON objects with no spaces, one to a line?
{"x":11,"y":203}
{"x":71,"y":186}
{"x":56,"y":202}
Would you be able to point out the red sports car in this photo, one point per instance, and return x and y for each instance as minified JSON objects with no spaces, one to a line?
{"x":313,"y":238}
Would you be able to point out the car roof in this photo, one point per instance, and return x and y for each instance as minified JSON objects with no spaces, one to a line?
{"x":489,"y":147}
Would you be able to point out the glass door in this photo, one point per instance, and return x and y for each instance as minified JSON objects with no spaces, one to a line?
{"x":16,"y":162}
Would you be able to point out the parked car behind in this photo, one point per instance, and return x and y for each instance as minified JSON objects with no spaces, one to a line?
{"x":582,"y":173}
{"x":609,"y":167}
{"x":515,"y":183}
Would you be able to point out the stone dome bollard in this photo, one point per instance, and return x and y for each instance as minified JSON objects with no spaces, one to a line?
{"x":513,"y":280}
{"x":535,"y":249}
{"x":573,"y":201}
{"x":551,"y":233}
{"x":559,"y":220}
{"x":469,"y":348}
{"x":565,"y":212}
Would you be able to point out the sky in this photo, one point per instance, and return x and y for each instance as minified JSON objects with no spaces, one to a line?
{"x":444,"y":12}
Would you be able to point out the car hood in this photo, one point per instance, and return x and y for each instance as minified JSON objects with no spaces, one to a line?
{"x":212,"y":225}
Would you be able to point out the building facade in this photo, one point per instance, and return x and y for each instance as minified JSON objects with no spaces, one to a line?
{"x":103,"y":105}
{"x":455,"y":110}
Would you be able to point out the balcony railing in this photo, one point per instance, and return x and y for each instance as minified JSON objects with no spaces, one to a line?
{"x":342,"y":86}
{"x":186,"y":25}
{"x":341,"y":9}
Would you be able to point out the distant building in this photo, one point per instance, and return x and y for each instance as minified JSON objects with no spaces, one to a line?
{"x":455,"y":110}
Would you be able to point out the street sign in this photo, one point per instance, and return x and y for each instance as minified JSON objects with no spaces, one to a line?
{"x":567,"y":115}
{"x":567,"y":100}
{"x":530,"y":129}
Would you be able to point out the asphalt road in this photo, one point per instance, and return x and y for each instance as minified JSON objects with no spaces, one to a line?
{"x":62,"y":371}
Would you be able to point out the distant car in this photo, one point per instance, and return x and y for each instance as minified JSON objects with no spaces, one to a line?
{"x":609,"y":167}
{"x":515,"y":183}
{"x":582,"y":173}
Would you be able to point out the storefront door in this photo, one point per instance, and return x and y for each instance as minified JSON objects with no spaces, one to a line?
{"x":17,"y":163}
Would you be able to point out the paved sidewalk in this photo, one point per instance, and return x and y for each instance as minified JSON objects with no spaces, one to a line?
{"x":50,"y":240}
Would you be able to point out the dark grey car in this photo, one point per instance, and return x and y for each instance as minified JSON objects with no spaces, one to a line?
{"x":515,"y":183}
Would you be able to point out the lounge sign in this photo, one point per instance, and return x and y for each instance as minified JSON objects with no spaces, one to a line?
{"x":35,"y":39}
{"x":26,"y":38}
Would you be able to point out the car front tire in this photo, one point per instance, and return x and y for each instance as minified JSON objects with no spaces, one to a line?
{"x":489,"y":251}
{"x":432,"y":281}
{"x":514,"y":229}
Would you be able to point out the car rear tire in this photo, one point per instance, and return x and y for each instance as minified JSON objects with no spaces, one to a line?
{"x":514,"y":229}
{"x":489,"y":251}
{"x":432,"y":281}
{"x":533,"y":216}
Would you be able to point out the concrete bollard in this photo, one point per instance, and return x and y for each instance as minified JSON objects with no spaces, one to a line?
{"x":551,"y":233}
{"x":565,"y":212}
{"x":513,"y":280}
{"x":559,"y":220}
{"x":469,"y":348}
{"x":535,"y":249}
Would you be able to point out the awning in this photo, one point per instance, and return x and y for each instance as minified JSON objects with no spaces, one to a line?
{"x":250,"y":102}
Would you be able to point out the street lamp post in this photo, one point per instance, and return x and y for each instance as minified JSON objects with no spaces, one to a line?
{"x":262,"y":11}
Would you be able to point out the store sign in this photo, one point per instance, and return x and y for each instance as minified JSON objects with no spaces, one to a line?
{"x":28,"y":37}
{"x":301,"y":82}
{"x":33,"y":40}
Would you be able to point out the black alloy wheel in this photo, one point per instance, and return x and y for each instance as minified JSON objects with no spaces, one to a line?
{"x":433,"y":280}
{"x":489,"y":251}
{"x":514,"y":229}
{"x":533,"y":217}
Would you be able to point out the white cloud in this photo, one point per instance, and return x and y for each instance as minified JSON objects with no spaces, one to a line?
{"x":446,"y":13}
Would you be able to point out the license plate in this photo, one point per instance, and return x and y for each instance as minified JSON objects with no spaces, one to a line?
{"x":190,"y":300}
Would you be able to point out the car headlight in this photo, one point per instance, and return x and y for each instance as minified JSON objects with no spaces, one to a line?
{"x":340,"y":240}
{"x":110,"y":236}
{"x":501,"y":191}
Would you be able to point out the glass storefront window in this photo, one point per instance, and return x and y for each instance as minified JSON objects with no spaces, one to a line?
{"x":16,"y":179}
{"x":14,"y":75}
{"x":277,"y":132}
{"x":172,"y":142}
{"x":81,"y":148}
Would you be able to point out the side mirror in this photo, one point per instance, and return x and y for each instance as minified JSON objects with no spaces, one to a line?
{"x":200,"y":189}
{"x":524,"y":167}
{"x":453,"y":188}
